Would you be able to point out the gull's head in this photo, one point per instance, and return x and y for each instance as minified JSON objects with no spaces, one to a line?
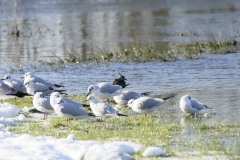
{"x":59,"y":100}
{"x":130,"y":103}
{"x":56,"y":95}
{"x":186,"y":97}
{"x":7,"y":77}
{"x":91,"y":99}
{"x":27,"y":84}
{"x":91,"y":89}
{"x":39,"y":95}
{"x":28,"y":75}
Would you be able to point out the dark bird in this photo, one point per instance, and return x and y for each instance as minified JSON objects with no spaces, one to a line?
{"x":120,"y":81}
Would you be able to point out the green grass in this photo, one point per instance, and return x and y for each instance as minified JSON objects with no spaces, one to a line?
{"x":136,"y":51}
{"x":157,"y":129}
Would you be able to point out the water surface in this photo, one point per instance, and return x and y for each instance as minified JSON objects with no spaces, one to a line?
{"x":47,"y":26}
{"x":108,"y":24}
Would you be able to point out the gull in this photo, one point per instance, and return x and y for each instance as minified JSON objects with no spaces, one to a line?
{"x":14,"y":83}
{"x":69,"y":110}
{"x":101,"y":109}
{"x":191,"y":106}
{"x":32,"y":88}
{"x":7,"y":90}
{"x":56,"y":95}
{"x":127,"y":95}
{"x":120,"y":81}
{"x":145,"y":104}
{"x":104,"y":90}
{"x":42,"y":103}
{"x":29,"y":76}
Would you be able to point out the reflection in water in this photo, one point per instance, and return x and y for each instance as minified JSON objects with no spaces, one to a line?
{"x":106,"y":23}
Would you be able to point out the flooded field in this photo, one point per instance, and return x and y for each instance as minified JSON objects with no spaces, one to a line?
{"x":49,"y":29}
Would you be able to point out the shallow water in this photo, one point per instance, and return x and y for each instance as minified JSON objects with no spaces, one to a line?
{"x":109,"y":23}
{"x":213,"y":80}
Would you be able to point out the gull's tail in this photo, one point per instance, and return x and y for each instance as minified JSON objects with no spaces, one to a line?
{"x":146,"y":93}
{"x":19,"y":94}
{"x":91,"y":114}
{"x":57,"y":85}
{"x":207,"y":107}
{"x":61,"y":91}
{"x":167,"y":98}
{"x":123,"y":86}
{"x":86,"y":105}
{"x":119,"y":114}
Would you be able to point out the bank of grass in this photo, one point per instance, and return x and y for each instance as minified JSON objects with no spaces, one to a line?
{"x":141,"y":51}
{"x":177,"y":138}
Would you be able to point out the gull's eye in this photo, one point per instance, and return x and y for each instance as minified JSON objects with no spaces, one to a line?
{"x":90,"y":89}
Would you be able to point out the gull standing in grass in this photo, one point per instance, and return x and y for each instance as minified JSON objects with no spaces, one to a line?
{"x":32,"y":88}
{"x":191,"y":106}
{"x":127,"y":95}
{"x":56,"y":95}
{"x":145,"y":104}
{"x":120,"y":81}
{"x":104,"y":90}
{"x":29,"y":76}
{"x":69,"y":110}
{"x":101,"y":109}
{"x":42,"y":103}
{"x":14,"y":83}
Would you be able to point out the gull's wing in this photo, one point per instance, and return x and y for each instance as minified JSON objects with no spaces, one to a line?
{"x":68,"y":108}
{"x":44,"y":102}
{"x":73,"y":102}
{"x":130,"y":95}
{"x":109,"y":88}
{"x":39,"y":87}
{"x":195,"y":104}
{"x":5,"y":89}
{"x":149,"y":103}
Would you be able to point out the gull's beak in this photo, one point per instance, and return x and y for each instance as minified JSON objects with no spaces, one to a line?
{"x":3,"y":79}
{"x":85,"y":100}
{"x":87,"y":94}
{"x":22,"y":85}
{"x":22,"y":77}
{"x":106,"y":101}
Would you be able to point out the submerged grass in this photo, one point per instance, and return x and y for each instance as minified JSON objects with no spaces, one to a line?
{"x":136,"y":51}
{"x":165,"y":131}
{"x":140,"y":51}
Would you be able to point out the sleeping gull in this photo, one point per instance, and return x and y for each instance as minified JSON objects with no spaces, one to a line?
{"x":101,"y":109}
{"x":14,"y":83}
{"x":32,"y":88}
{"x":146,"y":104}
{"x":56,"y":95}
{"x":29,"y":76}
{"x":120,"y":81}
{"x":104,"y":90}
{"x":42,"y":103}
{"x":125,"y":96}
{"x":69,"y":110}
{"x":191,"y":106}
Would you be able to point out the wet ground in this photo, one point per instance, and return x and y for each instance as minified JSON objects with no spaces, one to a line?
{"x":213,"y":80}
{"x":47,"y":26}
